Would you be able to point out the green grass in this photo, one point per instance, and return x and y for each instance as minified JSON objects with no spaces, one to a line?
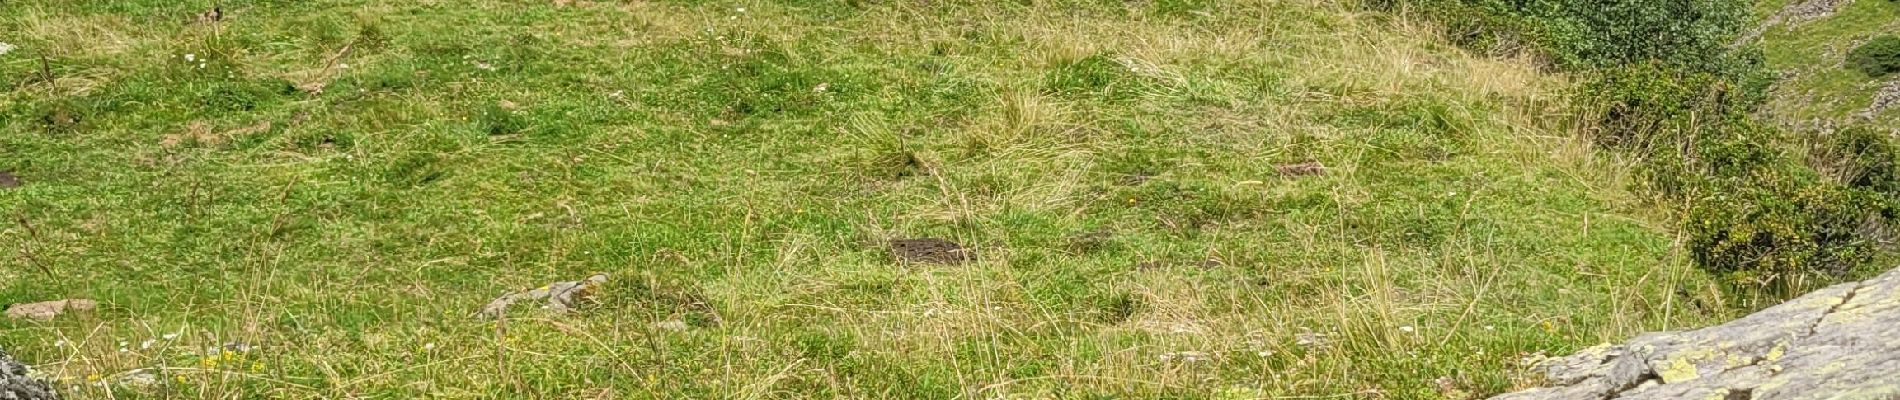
{"x":1817,"y":84}
{"x":737,"y":167}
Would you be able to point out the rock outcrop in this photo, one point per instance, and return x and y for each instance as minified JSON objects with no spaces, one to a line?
{"x":15,"y":384}
{"x":1842,"y":342}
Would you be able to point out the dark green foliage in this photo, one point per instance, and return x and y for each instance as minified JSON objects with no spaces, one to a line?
{"x":1861,"y":158}
{"x":1877,"y":58}
{"x":1774,"y":234}
{"x":1692,"y":34}
{"x":1756,"y":214}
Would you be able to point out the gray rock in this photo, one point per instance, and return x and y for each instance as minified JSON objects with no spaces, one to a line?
{"x":559,"y":296}
{"x":15,"y":384}
{"x":1842,"y":342}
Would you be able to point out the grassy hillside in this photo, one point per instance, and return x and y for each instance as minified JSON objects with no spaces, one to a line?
{"x":1809,"y":52}
{"x":340,"y":185}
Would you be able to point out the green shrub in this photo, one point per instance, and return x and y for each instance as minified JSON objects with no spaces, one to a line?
{"x":1663,"y":87}
{"x":1877,"y":58}
{"x":1861,"y":158}
{"x":1778,"y":235}
{"x":1692,"y":34}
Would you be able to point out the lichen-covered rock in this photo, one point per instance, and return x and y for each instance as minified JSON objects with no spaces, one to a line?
{"x":15,"y":384}
{"x":1842,"y":342}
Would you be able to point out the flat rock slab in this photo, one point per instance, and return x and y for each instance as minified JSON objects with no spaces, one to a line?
{"x":1842,"y":342}
{"x":48,"y":309}
{"x":929,"y":250}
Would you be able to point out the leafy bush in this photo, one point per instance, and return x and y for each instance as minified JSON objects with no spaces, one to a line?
{"x":1692,"y":34}
{"x":1877,"y":58}
{"x":1777,"y":235}
{"x":1861,"y":158}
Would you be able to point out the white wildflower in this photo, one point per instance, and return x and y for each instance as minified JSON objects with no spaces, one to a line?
{"x":1406,"y":329}
{"x":6,"y":48}
{"x":191,"y":57}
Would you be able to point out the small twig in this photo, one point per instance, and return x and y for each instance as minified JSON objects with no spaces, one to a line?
{"x":26,"y":247}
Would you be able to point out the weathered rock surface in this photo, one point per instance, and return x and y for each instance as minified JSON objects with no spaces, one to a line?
{"x":16,"y":385}
{"x":48,"y":309}
{"x":559,"y":296}
{"x":1842,"y":342}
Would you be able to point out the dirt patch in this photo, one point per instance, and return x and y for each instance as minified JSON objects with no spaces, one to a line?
{"x":8,"y":180}
{"x":930,"y":251}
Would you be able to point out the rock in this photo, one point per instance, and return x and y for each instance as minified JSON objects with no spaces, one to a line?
{"x":138,"y":378}
{"x":1886,"y":98}
{"x":1834,"y":343}
{"x":17,"y":384}
{"x":560,"y":296}
{"x":48,"y":309}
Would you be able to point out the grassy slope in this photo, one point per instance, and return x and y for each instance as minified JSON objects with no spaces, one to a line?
{"x":686,"y":148}
{"x":1818,"y":85}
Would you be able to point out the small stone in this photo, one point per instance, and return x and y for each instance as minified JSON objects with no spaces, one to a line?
{"x":46,"y":310}
{"x":141,"y":377}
